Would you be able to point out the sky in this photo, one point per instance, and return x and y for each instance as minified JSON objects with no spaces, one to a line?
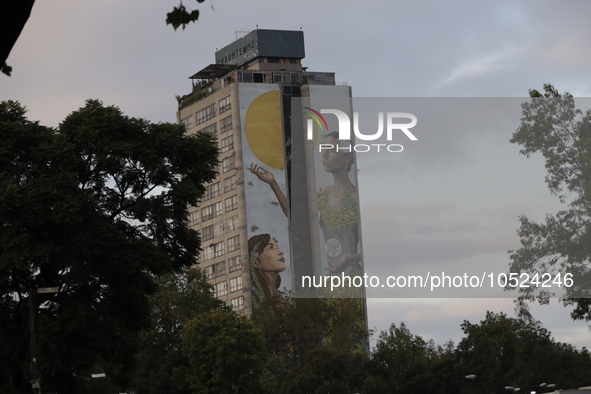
{"x":460,"y":190}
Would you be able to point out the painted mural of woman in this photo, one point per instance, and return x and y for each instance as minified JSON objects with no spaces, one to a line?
{"x":266,"y":263}
{"x":337,"y":205}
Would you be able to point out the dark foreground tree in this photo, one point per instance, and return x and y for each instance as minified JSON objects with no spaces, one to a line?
{"x":180,"y":298}
{"x":561,"y":246}
{"x":95,"y":208}
{"x":314,"y":345}
{"x":403,"y":362}
{"x":15,"y":13}
{"x":226,"y":353}
{"x":503,"y":351}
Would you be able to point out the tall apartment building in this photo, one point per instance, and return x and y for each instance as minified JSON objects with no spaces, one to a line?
{"x":271,"y":181}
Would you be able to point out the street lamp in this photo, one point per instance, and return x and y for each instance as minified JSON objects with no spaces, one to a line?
{"x":35,"y":377}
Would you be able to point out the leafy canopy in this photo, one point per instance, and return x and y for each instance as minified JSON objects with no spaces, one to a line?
{"x":162,"y":366}
{"x":552,"y":125}
{"x":504,"y":351}
{"x":314,"y":345}
{"x":96,"y":208}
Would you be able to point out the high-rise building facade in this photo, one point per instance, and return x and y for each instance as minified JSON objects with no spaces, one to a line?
{"x":279,"y":210}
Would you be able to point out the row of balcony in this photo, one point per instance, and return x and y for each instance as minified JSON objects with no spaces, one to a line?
{"x":206,"y":88}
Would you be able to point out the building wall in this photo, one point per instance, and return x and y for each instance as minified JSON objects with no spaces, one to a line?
{"x":226,"y":267}
{"x":263,"y":126}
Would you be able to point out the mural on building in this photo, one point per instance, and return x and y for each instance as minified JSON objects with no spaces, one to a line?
{"x":338,"y":209}
{"x":267,"y":208}
{"x":335,"y":184}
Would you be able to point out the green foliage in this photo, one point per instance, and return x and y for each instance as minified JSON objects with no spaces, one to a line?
{"x":196,"y":95}
{"x":500,"y":351}
{"x":552,"y":125}
{"x":6,"y":69}
{"x":505,"y":351}
{"x":179,"y":16}
{"x":314,"y":345}
{"x":179,"y":299}
{"x":225,"y":352}
{"x":96,"y":207}
{"x":403,"y":362}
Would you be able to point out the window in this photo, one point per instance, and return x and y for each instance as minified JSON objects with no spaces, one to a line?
{"x":220,"y":289}
{"x":193,"y":218}
{"x":237,"y":303}
{"x":217,"y":209}
{"x":207,"y":212}
{"x":231,"y":203}
{"x":208,"y":272}
{"x":218,"y":249}
{"x":234,"y":264}
{"x":228,"y":164}
{"x":205,"y":114}
{"x":227,"y":144}
{"x":218,"y":228}
{"x":207,"y":254}
{"x":231,"y":223}
{"x":187,"y":122}
{"x":211,"y":129}
{"x":233,"y":243}
{"x":207,"y":233}
{"x":220,"y":269}
{"x":224,"y":104}
{"x":226,"y":124}
{"x":215,"y":270}
{"x":211,"y":191}
{"x":235,"y":284}
{"x":211,"y":211}
{"x":230,"y":183}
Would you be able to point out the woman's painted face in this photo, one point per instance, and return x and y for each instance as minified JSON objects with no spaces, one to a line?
{"x":332,"y":160}
{"x":272,"y":257}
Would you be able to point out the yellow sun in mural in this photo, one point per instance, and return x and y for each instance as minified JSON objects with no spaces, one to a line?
{"x":264,"y":131}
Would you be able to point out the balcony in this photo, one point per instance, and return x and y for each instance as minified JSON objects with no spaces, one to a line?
{"x":205,"y":88}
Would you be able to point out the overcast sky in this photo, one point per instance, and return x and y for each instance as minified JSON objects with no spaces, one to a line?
{"x":462,"y":193}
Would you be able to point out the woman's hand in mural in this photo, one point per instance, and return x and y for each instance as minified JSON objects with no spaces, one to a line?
{"x":262,"y":173}
{"x":266,"y":176}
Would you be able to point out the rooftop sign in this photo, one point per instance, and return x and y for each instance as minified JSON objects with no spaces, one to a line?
{"x":267,"y":43}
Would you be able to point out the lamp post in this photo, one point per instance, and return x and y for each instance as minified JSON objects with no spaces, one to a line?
{"x":35,"y":376}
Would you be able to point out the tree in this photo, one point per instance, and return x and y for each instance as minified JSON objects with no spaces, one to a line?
{"x":97,"y":208}
{"x":180,"y":298}
{"x":14,"y":15}
{"x":314,"y":345}
{"x":404,"y":363}
{"x":503,"y":351}
{"x":226,"y":353}
{"x":552,"y":125}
